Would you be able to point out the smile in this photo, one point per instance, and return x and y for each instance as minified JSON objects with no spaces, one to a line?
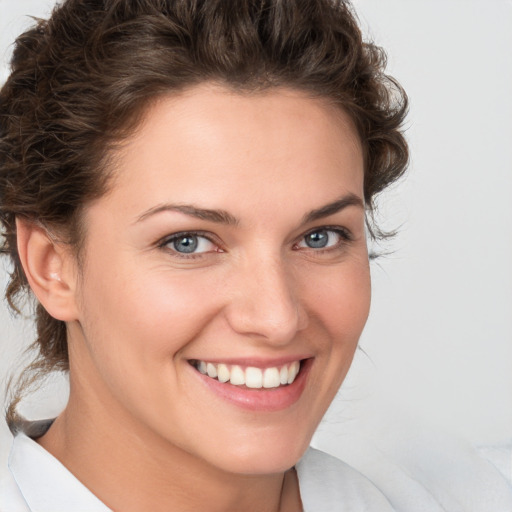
{"x":250,"y":377}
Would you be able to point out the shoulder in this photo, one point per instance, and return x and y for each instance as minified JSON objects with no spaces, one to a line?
{"x":328,"y":484}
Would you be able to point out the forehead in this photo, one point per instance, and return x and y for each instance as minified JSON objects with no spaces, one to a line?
{"x":213,"y":144}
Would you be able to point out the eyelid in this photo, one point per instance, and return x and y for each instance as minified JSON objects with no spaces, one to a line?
{"x":340,"y":230}
{"x":166,"y":240}
{"x":344,"y":233}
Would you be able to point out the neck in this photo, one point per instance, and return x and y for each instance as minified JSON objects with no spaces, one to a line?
{"x":131,"y":469}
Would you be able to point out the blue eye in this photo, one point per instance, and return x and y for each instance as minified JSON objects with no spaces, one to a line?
{"x":185,"y":243}
{"x":324,"y":238}
{"x":317,"y":239}
{"x":189,"y":243}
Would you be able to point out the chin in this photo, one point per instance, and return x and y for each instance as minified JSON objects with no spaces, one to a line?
{"x":262,"y":456}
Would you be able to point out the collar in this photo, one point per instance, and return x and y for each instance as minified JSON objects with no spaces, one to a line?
{"x":46,"y":485}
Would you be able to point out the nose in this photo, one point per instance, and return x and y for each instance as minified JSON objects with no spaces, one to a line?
{"x":265,"y":302}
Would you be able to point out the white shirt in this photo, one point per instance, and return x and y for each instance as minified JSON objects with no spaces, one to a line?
{"x":38,"y":482}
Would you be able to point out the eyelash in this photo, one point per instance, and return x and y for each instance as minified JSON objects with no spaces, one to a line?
{"x":344,"y":234}
{"x":165,"y":242}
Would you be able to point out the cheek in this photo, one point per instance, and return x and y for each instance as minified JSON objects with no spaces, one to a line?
{"x":338,"y":307}
{"x":341,"y":309}
{"x":135,"y":325}
{"x":148,"y":312}
{"x":342,"y":303}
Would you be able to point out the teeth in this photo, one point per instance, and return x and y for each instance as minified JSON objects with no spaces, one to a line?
{"x":202,"y":367}
{"x":254,"y":378}
{"x":222,"y":373}
{"x":271,"y":378}
{"x":211,"y":370}
{"x":237,"y":376}
{"x":293,"y":371}
{"x":283,"y":375}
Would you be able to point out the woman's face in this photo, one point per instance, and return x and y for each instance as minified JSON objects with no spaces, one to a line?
{"x":233,"y":244}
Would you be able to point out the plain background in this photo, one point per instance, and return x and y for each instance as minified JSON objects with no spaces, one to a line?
{"x":439,"y":340}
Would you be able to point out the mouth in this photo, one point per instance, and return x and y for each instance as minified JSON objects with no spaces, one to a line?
{"x":262,"y":388}
{"x":251,"y":377}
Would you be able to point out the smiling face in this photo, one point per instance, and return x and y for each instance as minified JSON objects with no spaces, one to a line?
{"x":226,"y":280}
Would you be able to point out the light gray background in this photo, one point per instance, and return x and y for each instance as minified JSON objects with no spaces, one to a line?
{"x":439,"y":339}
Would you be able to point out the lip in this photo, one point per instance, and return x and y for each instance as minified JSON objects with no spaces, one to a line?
{"x":264,"y":399}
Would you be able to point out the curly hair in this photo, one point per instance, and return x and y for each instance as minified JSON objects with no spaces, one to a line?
{"x":82,"y":79}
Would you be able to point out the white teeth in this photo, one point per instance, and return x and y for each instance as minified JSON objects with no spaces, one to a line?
{"x":211,"y":370}
{"x":237,"y":376}
{"x":252,"y":377}
{"x":283,"y":375}
{"x":271,"y":378}
{"x":293,"y":371}
{"x":202,"y":367}
{"x":222,"y":373}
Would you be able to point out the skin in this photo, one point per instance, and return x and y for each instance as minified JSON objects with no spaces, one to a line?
{"x":138,"y":311}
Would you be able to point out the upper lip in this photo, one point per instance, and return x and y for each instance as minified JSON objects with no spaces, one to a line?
{"x":253,"y":361}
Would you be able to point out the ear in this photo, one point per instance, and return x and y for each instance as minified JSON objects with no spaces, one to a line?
{"x":50,"y":269}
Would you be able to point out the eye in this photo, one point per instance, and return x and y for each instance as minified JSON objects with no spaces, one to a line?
{"x":324,"y":238}
{"x":189,"y":243}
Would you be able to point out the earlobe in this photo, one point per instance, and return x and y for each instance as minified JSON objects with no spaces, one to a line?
{"x":50,"y":269}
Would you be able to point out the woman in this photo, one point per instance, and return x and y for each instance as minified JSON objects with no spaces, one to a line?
{"x":185,"y":189}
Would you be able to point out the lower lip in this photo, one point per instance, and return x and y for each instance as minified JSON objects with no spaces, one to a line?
{"x":263,"y":399}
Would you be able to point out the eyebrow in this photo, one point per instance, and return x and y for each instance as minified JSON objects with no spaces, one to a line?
{"x":332,"y":208}
{"x":217,"y":216}
{"x":224,"y":217}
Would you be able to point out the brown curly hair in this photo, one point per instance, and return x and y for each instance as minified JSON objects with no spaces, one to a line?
{"x":82,"y":79}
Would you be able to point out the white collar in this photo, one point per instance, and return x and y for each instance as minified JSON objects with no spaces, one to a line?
{"x":46,"y":485}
